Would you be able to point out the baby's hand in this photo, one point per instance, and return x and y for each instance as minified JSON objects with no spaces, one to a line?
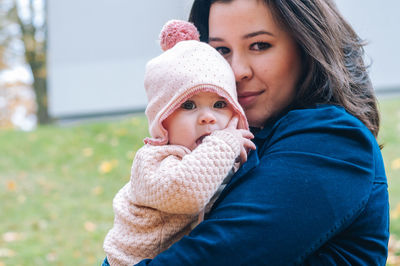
{"x":244,"y":136}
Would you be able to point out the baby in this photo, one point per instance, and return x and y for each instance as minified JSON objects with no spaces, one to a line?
{"x":198,"y":130}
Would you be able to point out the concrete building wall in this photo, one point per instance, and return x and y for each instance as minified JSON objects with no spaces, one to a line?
{"x":98,"y":49}
{"x":377,"y":22}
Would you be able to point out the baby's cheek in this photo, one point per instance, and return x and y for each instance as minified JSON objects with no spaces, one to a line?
{"x":225,"y":123}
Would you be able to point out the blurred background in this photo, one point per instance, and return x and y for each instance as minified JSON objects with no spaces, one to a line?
{"x":74,"y":59}
{"x":71,"y":115}
{"x":81,"y":58}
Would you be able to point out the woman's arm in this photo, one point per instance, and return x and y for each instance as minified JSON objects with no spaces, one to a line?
{"x":310,"y":182}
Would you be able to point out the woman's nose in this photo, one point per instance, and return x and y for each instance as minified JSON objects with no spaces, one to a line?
{"x":206,"y":117}
{"x":241,"y":68}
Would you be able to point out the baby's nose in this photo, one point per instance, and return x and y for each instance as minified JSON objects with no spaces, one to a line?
{"x":207,"y":117}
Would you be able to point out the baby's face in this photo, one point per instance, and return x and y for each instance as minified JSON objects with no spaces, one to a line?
{"x":196,"y":118}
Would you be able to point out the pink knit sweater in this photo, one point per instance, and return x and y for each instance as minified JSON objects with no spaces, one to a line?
{"x":169,"y":187}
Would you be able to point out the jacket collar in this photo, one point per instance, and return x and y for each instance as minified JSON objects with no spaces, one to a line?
{"x":260,"y":136}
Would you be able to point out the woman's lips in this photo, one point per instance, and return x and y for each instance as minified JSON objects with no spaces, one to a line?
{"x":248,"y":98}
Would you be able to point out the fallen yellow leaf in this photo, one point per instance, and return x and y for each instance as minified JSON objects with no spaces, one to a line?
{"x":107,"y":166}
{"x":90,"y":227}
{"x":11,"y":185}
{"x":394,"y":214}
{"x":396,"y":164}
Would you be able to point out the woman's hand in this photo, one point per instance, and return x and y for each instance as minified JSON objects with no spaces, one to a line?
{"x":244,"y":136}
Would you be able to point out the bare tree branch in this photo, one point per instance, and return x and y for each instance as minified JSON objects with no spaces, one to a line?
{"x":35,"y":56}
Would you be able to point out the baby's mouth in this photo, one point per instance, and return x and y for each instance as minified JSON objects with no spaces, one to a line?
{"x":200,"y":140}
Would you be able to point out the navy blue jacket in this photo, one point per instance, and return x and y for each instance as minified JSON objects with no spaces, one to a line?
{"x":313,"y":193}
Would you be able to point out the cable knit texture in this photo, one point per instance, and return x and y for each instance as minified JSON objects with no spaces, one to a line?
{"x":169,"y":187}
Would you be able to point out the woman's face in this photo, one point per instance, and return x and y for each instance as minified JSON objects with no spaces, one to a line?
{"x":264,"y":57}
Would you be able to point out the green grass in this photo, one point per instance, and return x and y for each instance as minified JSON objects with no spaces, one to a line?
{"x":390,"y":137}
{"x":55,"y":198}
{"x":57,"y":184}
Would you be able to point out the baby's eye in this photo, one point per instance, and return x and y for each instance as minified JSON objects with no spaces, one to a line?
{"x":223,"y":50}
{"x":188,"y":105}
{"x":260,"y":46}
{"x":220,"y":104}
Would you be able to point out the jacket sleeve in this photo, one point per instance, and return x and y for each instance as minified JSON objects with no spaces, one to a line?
{"x":303,"y":190}
{"x":173,"y":180}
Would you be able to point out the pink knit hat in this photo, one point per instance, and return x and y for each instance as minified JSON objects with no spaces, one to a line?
{"x":186,"y":68}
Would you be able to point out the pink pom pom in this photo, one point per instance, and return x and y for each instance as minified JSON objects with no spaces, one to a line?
{"x":175,"y":31}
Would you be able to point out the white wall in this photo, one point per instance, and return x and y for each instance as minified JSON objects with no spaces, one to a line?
{"x":378,"y":23}
{"x":98,"y":49}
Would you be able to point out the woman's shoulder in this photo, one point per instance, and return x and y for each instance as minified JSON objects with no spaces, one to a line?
{"x":321,"y":119}
{"x":324,"y":131}
{"x":321,"y":115}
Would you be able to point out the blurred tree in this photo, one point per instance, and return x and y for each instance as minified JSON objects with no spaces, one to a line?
{"x":29,"y":17}
{"x":5,"y":37}
{"x":3,"y":63}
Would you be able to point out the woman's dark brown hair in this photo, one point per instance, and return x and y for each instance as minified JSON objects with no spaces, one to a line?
{"x":335,"y":71}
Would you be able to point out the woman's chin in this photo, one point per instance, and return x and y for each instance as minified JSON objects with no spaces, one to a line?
{"x":255,"y":118}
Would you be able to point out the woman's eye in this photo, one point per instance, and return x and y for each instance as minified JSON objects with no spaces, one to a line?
{"x":260,"y":46}
{"x":220,"y":104}
{"x":222,"y":50}
{"x":188,"y":105}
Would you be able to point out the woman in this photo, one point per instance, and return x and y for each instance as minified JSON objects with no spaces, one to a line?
{"x":315,"y":191}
